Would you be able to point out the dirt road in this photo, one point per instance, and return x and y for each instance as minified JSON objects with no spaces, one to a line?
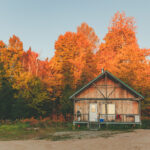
{"x":137,"y":140}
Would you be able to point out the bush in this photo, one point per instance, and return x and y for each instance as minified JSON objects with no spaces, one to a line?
{"x":146,"y":124}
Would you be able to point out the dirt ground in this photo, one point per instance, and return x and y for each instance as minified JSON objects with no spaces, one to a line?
{"x":137,"y":140}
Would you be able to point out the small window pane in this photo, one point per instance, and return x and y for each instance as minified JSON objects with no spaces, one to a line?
{"x":93,"y":109}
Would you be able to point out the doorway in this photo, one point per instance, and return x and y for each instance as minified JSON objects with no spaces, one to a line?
{"x":93,"y":112}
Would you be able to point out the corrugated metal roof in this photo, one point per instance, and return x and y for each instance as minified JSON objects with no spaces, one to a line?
{"x":101,"y":75}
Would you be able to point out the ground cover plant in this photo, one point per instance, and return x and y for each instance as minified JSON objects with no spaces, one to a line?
{"x":46,"y":128}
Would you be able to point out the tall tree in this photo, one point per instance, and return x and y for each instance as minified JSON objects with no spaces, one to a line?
{"x":121,"y":33}
{"x":35,"y":94}
{"x":30,"y":62}
{"x":120,"y":52}
{"x":74,"y":59}
{"x":10,"y":57}
{"x":90,"y":34}
{"x":74,"y":54}
{"x":6,"y":95}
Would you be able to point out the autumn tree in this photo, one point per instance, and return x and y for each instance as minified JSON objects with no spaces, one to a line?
{"x":120,"y":53}
{"x":35,"y":95}
{"x":6,"y":95}
{"x":73,"y":59}
{"x":74,"y":54}
{"x":28,"y":77}
{"x":30,"y":62}
{"x":15,"y":50}
{"x":36,"y":88}
{"x":121,"y":33}
{"x":11,"y":58}
{"x":90,"y":34}
{"x":32,"y":87}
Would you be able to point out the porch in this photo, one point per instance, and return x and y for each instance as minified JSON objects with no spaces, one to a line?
{"x":107,"y":119}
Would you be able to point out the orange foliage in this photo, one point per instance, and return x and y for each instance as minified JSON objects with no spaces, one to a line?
{"x":121,"y":55}
{"x":30,"y":62}
{"x":74,"y":55}
{"x":76,"y":62}
{"x":31,"y":121}
{"x":36,"y":67}
{"x":47,"y":120}
{"x":89,"y":32}
{"x":10,"y":58}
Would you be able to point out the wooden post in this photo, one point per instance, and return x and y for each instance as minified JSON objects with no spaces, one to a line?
{"x":106,"y":96}
{"x":88,"y":124}
{"x":73,"y":109}
{"x":99,"y":125}
{"x":140,"y":111}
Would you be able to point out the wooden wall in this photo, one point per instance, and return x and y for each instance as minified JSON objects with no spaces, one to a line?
{"x":121,"y":106}
{"x":92,"y":92}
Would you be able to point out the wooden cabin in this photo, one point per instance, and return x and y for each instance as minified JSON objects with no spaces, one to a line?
{"x":107,"y":100}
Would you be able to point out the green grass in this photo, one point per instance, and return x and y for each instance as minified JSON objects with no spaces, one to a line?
{"x":13,"y":131}
{"x":22,"y":131}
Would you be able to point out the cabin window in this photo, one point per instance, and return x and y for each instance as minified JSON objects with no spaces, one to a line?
{"x":93,"y":108}
{"x":110,"y":109}
{"x":103,"y":109}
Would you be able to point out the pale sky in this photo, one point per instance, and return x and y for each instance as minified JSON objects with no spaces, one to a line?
{"x":38,"y":23}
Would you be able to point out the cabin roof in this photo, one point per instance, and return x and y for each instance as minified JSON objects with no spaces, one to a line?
{"x":112,"y":76}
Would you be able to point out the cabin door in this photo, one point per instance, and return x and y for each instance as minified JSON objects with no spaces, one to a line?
{"x":93,"y":112}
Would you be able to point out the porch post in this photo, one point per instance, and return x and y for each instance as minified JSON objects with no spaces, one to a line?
{"x":73,"y":110}
{"x":106,"y":96}
{"x":140,"y":112}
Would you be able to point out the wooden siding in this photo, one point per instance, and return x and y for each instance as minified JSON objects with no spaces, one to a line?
{"x":121,"y":107}
{"x":127,"y":107}
{"x":93,"y":92}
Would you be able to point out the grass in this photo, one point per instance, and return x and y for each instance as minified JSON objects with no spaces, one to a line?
{"x":13,"y":131}
{"x":60,"y":130}
{"x":145,"y":124}
{"x":22,"y":131}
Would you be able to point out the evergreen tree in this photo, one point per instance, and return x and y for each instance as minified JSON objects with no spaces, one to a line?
{"x":6,"y":95}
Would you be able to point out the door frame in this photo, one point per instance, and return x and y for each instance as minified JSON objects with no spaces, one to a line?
{"x":94,"y":119}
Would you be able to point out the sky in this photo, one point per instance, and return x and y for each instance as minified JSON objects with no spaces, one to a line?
{"x":38,"y":23}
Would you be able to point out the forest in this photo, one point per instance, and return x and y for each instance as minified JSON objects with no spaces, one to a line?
{"x":30,"y":87}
